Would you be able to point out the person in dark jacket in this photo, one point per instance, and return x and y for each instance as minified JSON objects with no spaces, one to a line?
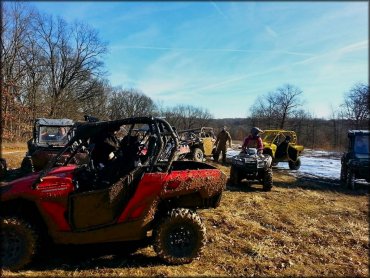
{"x":282,"y":149}
{"x":105,"y":146}
{"x":220,"y":144}
{"x":254,"y":140}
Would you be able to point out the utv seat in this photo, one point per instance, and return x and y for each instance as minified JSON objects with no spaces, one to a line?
{"x":126,"y":161}
{"x":102,"y":206}
{"x":152,"y":149}
{"x":282,"y":150}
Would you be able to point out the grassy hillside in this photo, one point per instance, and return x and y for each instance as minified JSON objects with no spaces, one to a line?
{"x":302,"y":228}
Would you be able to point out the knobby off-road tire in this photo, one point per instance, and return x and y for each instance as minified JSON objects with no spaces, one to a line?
{"x":19,"y":243}
{"x":234,"y":176}
{"x":198,"y":155}
{"x":351,"y":179}
{"x":267,"y":180}
{"x":295,"y":165}
{"x":180,"y":237}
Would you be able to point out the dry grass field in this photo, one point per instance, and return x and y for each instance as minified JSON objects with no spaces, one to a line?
{"x":300,"y":228}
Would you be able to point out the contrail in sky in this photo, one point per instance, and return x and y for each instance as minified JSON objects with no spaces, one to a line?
{"x":219,"y":10}
{"x":216,"y":50}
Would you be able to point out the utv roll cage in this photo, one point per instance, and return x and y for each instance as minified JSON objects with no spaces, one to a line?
{"x":166,"y":141}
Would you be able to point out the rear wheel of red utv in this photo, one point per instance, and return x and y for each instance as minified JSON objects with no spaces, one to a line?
{"x":180,"y":237}
{"x":198,"y":155}
{"x":19,"y":242}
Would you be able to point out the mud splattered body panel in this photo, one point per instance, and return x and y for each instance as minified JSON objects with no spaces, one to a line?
{"x":50,"y":195}
{"x":98,"y":216}
{"x":206,"y":183}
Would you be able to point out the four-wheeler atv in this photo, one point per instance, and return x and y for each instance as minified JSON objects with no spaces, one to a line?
{"x":282,"y":146}
{"x":251,"y":166}
{"x":200,"y":143}
{"x":355,"y":162}
{"x":131,"y":192}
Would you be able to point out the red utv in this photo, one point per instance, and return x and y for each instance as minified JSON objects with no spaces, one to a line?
{"x":121,"y":194}
{"x":49,"y":136}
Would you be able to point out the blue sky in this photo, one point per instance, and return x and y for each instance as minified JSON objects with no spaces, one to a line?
{"x":223,"y":55}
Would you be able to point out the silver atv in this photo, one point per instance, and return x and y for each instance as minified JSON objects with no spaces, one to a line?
{"x":252,"y":166}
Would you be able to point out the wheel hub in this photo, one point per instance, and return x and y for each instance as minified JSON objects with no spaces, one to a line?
{"x":181,"y":240}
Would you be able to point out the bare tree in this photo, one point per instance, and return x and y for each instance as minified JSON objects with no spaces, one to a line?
{"x":287,"y":101}
{"x":278,"y":106}
{"x":48,"y":68}
{"x":130,"y":103}
{"x":264,"y":111}
{"x":356,"y":105}
{"x":15,"y":22}
{"x":34,"y":77}
{"x":72,"y":55}
{"x":96,"y":105}
{"x":187,"y":116}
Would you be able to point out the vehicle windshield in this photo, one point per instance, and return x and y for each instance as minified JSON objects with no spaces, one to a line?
{"x":362,"y":145}
{"x":53,"y":135}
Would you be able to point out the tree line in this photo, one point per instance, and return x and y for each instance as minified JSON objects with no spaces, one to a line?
{"x":55,"y":69}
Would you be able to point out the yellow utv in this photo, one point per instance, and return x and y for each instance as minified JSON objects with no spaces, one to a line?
{"x":282,"y":146}
{"x":200,"y":143}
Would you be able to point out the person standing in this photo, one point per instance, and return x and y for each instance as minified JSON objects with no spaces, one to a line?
{"x":254,"y":140}
{"x":220,"y":144}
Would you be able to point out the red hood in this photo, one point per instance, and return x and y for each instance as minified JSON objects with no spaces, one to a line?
{"x":24,"y":184}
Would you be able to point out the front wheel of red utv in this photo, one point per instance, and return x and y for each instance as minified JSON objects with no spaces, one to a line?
{"x":19,"y":242}
{"x":180,"y":237}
